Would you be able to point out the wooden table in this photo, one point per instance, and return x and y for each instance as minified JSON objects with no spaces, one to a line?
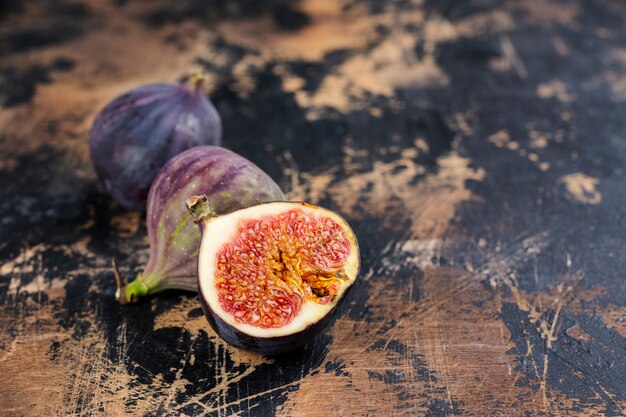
{"x":477,"y":148}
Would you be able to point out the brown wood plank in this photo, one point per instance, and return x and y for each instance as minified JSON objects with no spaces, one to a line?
{"x":476,"y":147}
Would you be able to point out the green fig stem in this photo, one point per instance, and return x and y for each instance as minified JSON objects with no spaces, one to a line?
{"x":131,"y":292}
{"x":198,"y":206}
{"x":198,"y":80}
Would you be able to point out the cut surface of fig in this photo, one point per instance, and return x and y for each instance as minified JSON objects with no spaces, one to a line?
{"x":270,"y":273}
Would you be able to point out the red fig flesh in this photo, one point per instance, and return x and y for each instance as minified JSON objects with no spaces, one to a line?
{"x":270,"y":276}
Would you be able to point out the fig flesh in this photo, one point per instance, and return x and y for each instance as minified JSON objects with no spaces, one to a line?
{"x":229,"y":181}
{"x":139,"y":131}
{"x":271,"y":276}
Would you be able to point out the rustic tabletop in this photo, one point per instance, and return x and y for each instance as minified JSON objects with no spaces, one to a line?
{"x":478,"y":149}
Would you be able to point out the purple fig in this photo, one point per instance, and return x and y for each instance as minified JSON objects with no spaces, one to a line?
{"x":139,"y":131}
{"x":229,"y":181}
{"x":271,"y":276}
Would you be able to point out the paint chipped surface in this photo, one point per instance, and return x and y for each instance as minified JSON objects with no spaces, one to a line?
{"x":582,"y":187}
{"x":475,"y":147}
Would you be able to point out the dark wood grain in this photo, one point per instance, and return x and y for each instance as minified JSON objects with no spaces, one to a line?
{"x":477,"y":148}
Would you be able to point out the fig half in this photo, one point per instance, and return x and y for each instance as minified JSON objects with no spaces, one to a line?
{"x":271,"y":276}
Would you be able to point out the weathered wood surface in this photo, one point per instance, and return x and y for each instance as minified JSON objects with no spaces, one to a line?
{"x":477,"y":148}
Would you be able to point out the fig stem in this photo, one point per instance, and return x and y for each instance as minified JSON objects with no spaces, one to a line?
{"x":134,"y":290}
{"x":197,"y":79}
{"x":198,"y":206}
{"x":119,"y":282}
{"x":128,"y":293}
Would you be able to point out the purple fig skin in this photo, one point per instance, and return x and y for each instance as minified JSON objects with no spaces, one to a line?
{"x":139,"y":131}
{"x":229,"y":181}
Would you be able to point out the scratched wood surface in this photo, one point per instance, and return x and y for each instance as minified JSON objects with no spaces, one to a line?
{"x":478,"y":148}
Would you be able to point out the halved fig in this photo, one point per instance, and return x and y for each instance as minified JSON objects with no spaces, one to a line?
{"x":271,"y":276}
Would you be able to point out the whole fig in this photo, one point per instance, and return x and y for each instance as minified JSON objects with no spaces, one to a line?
{"x":229,"y":181}
{"x":139,"y":131}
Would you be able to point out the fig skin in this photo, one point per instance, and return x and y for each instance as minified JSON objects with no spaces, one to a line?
{"x":229,"y":181}
{"x":270,"y":345}
{"x":139,"y":131}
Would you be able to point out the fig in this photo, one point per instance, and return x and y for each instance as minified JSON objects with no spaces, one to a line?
{"x":229,"y":181}
{"x":270,"y":276}
{"x":135,"y":134}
